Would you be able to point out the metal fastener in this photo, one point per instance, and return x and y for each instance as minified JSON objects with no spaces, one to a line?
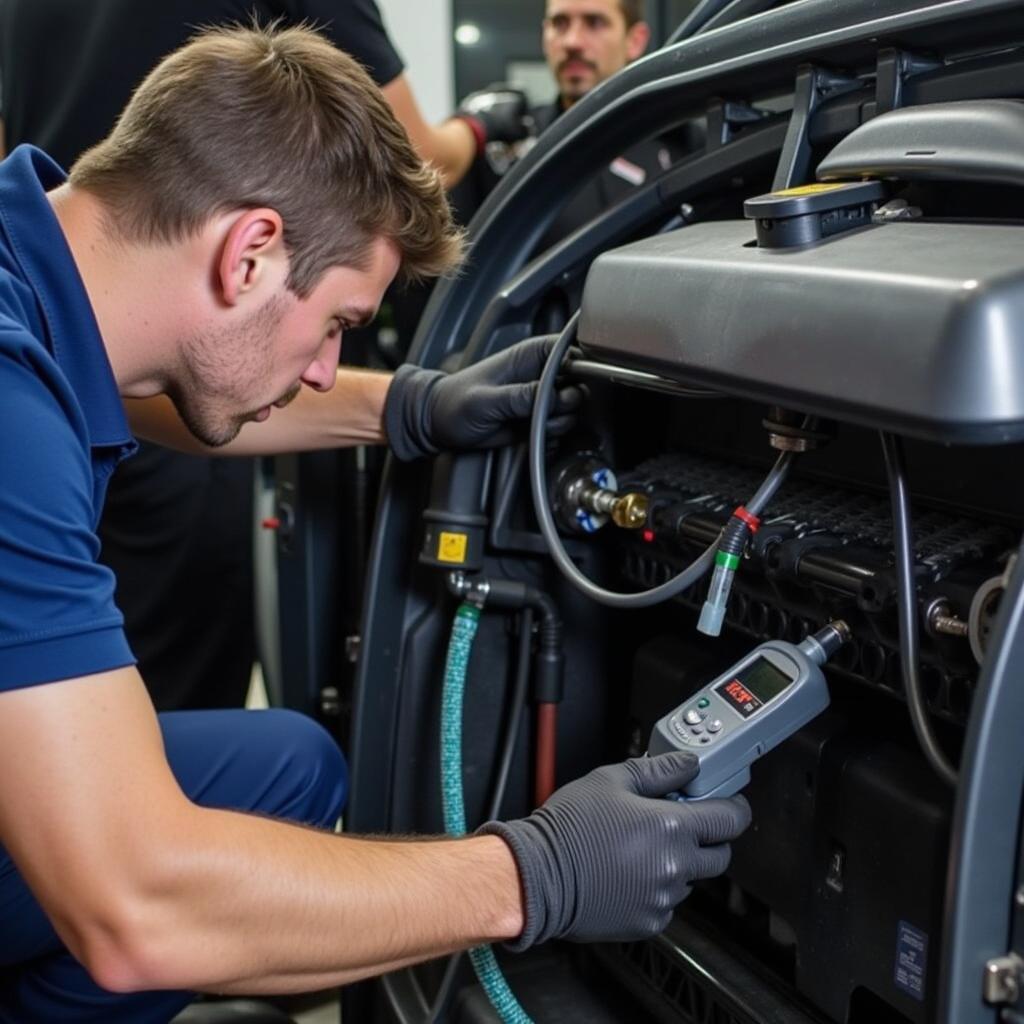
{"x":1002,"y":980}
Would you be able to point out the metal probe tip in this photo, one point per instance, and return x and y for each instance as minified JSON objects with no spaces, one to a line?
{"x":841,"y":628}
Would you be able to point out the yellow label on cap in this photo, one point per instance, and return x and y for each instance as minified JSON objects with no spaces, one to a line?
{"x":451,"y":547}
{"x":810,"y":190}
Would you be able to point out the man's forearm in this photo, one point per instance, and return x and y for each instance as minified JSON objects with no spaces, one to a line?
{"x":351,"y":413}
{"x":450,"y":146}
{"x":151,"y":891}
{"x":258,"y":906}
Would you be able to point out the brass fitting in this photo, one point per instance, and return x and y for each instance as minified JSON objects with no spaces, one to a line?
{"x":630,"y":511}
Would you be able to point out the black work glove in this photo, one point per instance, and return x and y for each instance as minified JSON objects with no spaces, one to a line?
{"x":607,"y":858}
{"x":499,"y":113}
{"x":428,"y":411}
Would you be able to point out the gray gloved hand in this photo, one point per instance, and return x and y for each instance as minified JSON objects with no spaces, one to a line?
{"x":499,"y":113}
{"x":482,"y":406}
{"x":607,"y":858}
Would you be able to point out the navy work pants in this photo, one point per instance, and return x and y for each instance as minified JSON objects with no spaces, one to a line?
{"x":275,"y":763}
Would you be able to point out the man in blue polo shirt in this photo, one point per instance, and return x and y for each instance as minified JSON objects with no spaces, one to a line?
{"x":198,"y":269}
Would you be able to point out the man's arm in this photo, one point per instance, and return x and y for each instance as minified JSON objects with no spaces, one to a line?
{"x":350,"y":413}
{"x":450,"y":146}
{"x":150,"y":891}
{"x":418,"y":411}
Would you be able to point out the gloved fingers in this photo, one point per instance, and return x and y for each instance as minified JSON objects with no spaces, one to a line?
{"x":513,"y":434}
{"x":719,"y":821}
{"x":662,"y":774}
{"x":710,"y":861}
{"x":568,"y":399}
{"x":559,"y":425}
{"x":513,"y":401}
{"x":523,"y":361}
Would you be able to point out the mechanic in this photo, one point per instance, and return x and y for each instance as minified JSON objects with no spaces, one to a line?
{"x":201,"y":264}
{"x":586,"y":42}
{"x":177,"y":529}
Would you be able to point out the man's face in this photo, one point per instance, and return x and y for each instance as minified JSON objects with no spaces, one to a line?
{"x":587,"y":41}
{"x":236,"y":373}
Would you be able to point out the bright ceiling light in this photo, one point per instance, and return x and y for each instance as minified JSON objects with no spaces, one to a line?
{"x":467,"y":34}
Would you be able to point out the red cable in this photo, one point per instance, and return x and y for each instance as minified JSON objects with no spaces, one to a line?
{"x":547,"y":745}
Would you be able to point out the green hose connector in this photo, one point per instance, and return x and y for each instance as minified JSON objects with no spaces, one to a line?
{"x":460,"y":646}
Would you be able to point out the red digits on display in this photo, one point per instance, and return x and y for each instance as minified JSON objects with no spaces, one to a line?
{"x":739,"y":692}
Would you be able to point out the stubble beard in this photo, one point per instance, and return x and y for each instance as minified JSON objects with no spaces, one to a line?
{"x":212,"y":368}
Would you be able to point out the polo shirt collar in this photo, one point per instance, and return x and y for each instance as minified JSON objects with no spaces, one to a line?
{"x":42,"y":252}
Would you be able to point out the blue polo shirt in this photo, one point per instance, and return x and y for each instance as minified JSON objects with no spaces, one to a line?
{"x":62,"y":432}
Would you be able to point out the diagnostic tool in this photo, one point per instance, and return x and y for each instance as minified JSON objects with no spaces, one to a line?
{"x":775,"y":690}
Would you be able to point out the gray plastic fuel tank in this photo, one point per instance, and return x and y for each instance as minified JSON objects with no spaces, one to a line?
{"x":912,"y":327}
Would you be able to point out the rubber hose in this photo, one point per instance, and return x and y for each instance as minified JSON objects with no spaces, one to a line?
{"x":518,"y":702}
{"x":485,"y":965}
{"x":539,"y":487}
{"x":906,"y":604}
{"x":516,"y":706}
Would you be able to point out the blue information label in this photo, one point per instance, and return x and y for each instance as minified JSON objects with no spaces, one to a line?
{"x":911,"y":960}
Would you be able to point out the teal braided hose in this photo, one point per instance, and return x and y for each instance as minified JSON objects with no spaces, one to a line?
{"x":467,"y":618}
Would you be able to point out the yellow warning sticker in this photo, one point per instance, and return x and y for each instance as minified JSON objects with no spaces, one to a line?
{"x":810,"y":190}
{"x":451,"y":547}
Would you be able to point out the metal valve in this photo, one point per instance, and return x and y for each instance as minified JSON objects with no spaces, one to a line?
{"x":628,"y":511}
{"x":585,"y":496}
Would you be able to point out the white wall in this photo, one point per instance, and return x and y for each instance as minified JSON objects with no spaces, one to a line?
{"x":422,"y":32}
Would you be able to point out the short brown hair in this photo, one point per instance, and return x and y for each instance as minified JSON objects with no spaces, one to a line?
{"x":632,"y":11}
{"x":278,"y":117}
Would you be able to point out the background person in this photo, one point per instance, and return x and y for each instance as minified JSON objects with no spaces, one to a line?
{"x":585,"y":42}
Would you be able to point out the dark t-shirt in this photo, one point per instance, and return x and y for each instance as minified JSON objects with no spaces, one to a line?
{"x":605,"y":188}
{"x":614,"y":183}
{"x":176,"y":529}
{"x":68,"y":67}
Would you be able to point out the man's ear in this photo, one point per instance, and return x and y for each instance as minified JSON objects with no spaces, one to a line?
{"x":252,"y":249}
{"x":637,"y":38}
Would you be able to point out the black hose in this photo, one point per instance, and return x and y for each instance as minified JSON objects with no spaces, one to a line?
{"x":738,"y":10}
{"x":539,"y":487}
{"x":517,"y":704}
{"x":712,"y":14}
{"x":906,"y":601}
{"x":695,"y":21}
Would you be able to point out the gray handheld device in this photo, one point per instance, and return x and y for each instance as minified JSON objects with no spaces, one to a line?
{"x":764,"y":698}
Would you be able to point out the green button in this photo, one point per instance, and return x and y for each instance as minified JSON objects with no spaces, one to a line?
{"x":703,"y":702}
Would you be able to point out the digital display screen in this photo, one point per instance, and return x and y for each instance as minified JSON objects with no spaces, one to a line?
{"x":753,"y":687}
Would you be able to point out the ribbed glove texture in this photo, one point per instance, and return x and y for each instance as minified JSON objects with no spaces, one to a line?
{"x":607,"y":858}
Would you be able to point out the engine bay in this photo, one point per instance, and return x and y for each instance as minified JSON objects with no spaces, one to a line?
{"x":833,"y":285}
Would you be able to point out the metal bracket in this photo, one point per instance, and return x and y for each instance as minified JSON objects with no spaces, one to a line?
{"x":725,"y":116}
{"x":1003,"y":980}
{"x":814,"y":85}
{"x":894,"y":67}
